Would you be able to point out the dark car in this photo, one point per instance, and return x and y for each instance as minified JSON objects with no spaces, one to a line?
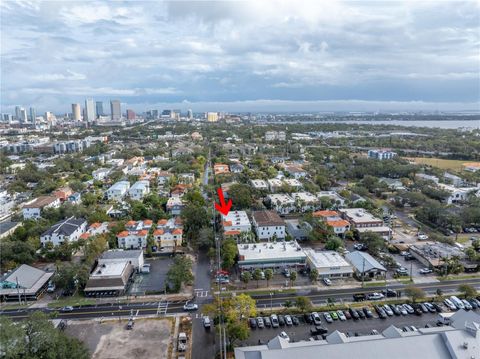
{"x":354,"y":314}
{"x":437,"y":307}
{"x":253,"y":323}
{"x":281,"y":320}
{"x":423,"y":307}
{"x":368,"y":313}
{"x":295,"y":320}
{"x":409,"y":257}
{"x":130,"y":324}
{"x":267,"y":321}
{"x":381,"y":312}
{"x":318,"y":330}
{"x":359,"y":297}
{"x":361,"y":314}
{"x":389,"y":293}
{"x":395,"y":310}
{"x":308,"y":318}
{"x":417,"y":309}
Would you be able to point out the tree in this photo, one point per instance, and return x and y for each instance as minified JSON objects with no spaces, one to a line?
{"x":268,"y":275}
{"x":373,"y":241}
{"x":414,"y":293}
{"x":205,"y":238}
{"x":38,"y":338}
{"x":257,"y":275}
{"x":194,"y":219}
{"x":303,"y":303}
{"x":246,"y":276}
{"x":180,"y":272}
{"x":334,"y":244}
{"x":239,"y":307}
{"x":241,"y":196}
{"x":313,"y":275}
{"x":293,"y":277}
{"x":229,"y":253}
{"x":467,"y":290}
{"x":237,"y":331}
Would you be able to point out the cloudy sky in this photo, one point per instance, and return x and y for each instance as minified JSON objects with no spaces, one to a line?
{"x":242,"y":56}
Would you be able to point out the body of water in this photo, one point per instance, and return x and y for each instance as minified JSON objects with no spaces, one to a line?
{"x":446,"y":124}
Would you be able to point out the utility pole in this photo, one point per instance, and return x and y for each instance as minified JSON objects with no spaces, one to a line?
{"x":18,"y":292}
{"x":411,"y":269}
{"x":363,"y":273}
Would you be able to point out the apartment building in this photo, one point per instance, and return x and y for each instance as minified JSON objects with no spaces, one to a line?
{"x":268,"y":225}
{"x":139,"y":190}
{"x":118,"y":191}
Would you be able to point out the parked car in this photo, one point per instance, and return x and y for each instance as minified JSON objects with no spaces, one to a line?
{"x":260,"y":322}
{"x":341,"y":316}
{"x":267,"y":322}
{"x":308,"y":318}
{"x":347,"y":314}
{"x":130,"y":324}
{"x":388,"y":310}
{"x":361,"y":314}
{"x":402,"y":309}
{"x":182,"y":342}
{"x":316,"y":318}
{"x":389,"y":293}
{"x":284,"y":336}
{"x":318,"y":330}
{"x":286,"y":273}
{"x":425,"y":271}
{"x":334,"y":315}
{"x":375,"y":296}
{"x":431,"y":308}
{"x":327,"y":281}
{"x":288,"y":320}
{"x":381,"y":313}
{"x":51,"y":287}
{"x":295,"y":320}
{"x":252,"y":322}
{"x":402,"y":271}
{"x":409,"y":308}
{"x":438,"y":308}
{"x":417,"y":310}
{"x":353,"y":313}
{"x":207,"y":323}
{"x":68,"y":308}
{"x":368,"y":313}
{"x":395,"y":310}
{"x":327,"y":317}
{"x":424,"y":308}
{"x":374,"y":332}
{"x":467,"y":304}
{"x":274,"y":320}
{"x":281,"y":320}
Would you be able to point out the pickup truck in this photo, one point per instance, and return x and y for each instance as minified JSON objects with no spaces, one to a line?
{"x":182,"y":342}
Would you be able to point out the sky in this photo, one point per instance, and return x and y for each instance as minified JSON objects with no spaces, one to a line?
{"x":242,"y":56}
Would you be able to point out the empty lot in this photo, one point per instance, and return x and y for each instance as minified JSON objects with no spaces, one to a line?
{"x":150,"y":338}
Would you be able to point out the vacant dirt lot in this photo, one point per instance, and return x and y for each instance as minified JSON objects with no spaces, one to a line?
{"x":149,"y":338}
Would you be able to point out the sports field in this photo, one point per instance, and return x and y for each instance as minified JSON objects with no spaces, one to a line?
{"x":456,"y":165}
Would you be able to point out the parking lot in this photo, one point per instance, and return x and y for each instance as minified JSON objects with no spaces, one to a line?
{"x":153,"y":282}
{"x":351,"y":327}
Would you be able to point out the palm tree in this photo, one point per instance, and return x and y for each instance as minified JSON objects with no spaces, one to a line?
{"x":268,"y":275}
{"x":246,"y":276}
{"x":293,"y":277}
{"x":257,"y":275}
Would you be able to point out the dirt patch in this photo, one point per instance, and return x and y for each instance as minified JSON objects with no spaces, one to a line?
{"x":150,"y":338}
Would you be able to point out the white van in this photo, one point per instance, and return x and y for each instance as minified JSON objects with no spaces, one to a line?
{"x":457,"y":302}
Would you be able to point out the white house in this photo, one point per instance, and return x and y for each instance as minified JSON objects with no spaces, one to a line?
{"x":305,"y":201}
{"x":139,"y":190}
{"x":293,"y":183}
{"x":259,"y":184}
{"x":281,"y":202}
{"x":132,"y":239}
{"x":163,"y":177}
{"x":186,"y":178}
{"x":236,"y":222}
{"x":68,"y":230}
{"x":296,"y":171}
{"x":175,"y":205}
{"x":33,"y":209}
{"x":274,"y":184}
{"x":459,"y":194}
{"x":268,"y":225}
{"x":118,"y":191}
{"x":100,"y":174}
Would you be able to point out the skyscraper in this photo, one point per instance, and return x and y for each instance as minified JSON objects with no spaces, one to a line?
{"x":76,"y":112}
{"x":189,"y":114}
{"x":33,"y":115}
{"x":99,"y":108}
{"x":89,"y":110}
{"x":18,"y":115}
{"x":23,"y":115}
{"x":115,"y":110}
{"x":130,"y":115}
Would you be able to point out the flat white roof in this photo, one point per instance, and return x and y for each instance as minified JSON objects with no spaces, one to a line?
{"x":326,"y":259}
{"x":238,"y":218}
{"x":274,"y":182}
{"x":280,"y":197}
{"x":374,"y":229}
{"x":108,"y":269}
{"x":293,"y":182}
{"x":359,"y":215}
{"x":307,"y":197}
{"x":258,"y":183}
{"x":262,"y":251}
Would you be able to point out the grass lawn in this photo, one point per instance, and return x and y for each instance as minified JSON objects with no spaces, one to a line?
{"x":75,"y":300}
{"x":374,"y":284}
{"x":266,"y":292}
{"x":456,"y":165}
{"x":456,"y":277}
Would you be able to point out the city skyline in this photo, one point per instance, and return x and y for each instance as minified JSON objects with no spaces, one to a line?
{"x":242,"y":56}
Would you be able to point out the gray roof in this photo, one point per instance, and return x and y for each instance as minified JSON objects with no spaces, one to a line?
{"x":6,"y":226}
{"x":65,"y":227}
{"x":29,"y":278}
{"x":119,"y":254}
{"x":363,"y":260}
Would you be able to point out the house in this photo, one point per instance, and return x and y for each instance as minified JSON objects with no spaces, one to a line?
{"x":100,"y":174}
{"x":329,"y":264}
{"x":274,"y":255}
{"x":33,"y":209}
{"x":175,"y":205}
{"x":365,"y":265}
{"x":471,"y":166}
{"x":271,"y":136}
{"x":426,"y":177}
{"x":297,"y":230}
{"x":66,"y":231}
{"x":259,"y":184}
{"x":326,"y":215}
{"x":163,"y":177}
{"x":333,"y":219}
{"x":186,"y":178}
{"x":139,"y":190}
{"x":274,"y":184}
{"x":132,"y":239}
{"x":24,"y":283}
{"x":381,"y":154}
{"x":336,"y":200}
{"x":168,"y":235}
{"x":62,"y":193}
{"x":236,"y":222}
{"x":453,"y":179}
{"x":304,"y":201}
{"x":118,"y":191}
{"x":281,"y":202}
{"x":393,"y":184}
{"x":293,"y":183}
{"x":268,"y":225}
{"x":459,"y":195}
{"x":98,"y":228}
{"x":236,"y":168}
{"x":220,"y":168}
{"x":296,"y":171}
{"x":75,"y":198}
{"x":179,"y":190}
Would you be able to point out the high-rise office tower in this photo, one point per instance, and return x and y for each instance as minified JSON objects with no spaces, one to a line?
{"x":18,"y":115}
{"x":130,"y":114}
{"x":33,"y":115}
{"x":89,"y":110}
{"x":76,"y":112}
{"x":189,"y":114}
{"x":115,"y":110}
{"x":23,"y":115}
{"x":99,"y":108}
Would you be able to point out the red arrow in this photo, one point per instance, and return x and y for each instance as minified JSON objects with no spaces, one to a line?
{"x":222,"y":207}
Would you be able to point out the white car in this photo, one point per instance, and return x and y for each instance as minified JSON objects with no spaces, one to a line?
{"x":409,"y":308}
{"x":449,"y":304}
{"x":388,"y":310}
{"x":341,"y":316}
{"x":284,"y":336}
{"x":422,"y":237}
{"x":402,"y":309}
{"x":327,"y":281}
{"x":190,"y":306}
{"x":425,"y":271}
{"x":316,"y":318}
{"x":206,"y":322}
{"x":288,"y":320}
{"x":375,"y":296}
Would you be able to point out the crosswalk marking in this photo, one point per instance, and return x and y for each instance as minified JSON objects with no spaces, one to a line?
{"x":200,"y":293}
{"x":162,"y":307}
